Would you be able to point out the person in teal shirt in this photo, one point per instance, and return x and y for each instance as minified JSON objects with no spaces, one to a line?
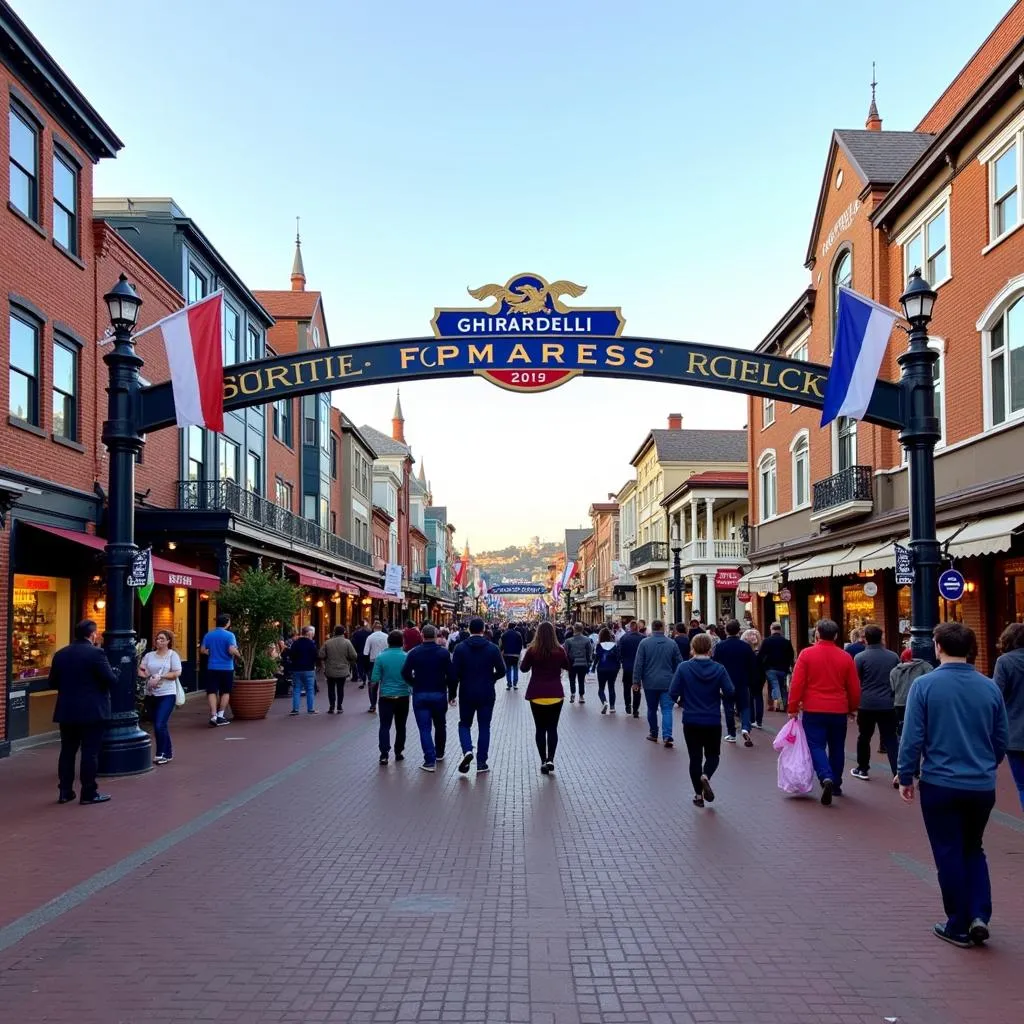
{"x":393,"y":698}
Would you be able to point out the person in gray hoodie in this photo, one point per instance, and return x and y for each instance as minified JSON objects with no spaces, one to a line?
{"x":874,"y":666}
{"x":653,"y":671}
{"x":1009,"y":677}
{"x":580,"y":651}
{"x":901,"y":678}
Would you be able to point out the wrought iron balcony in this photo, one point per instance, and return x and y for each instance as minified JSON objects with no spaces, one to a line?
{"x":843,"y":495}
{"x":649,"y":556}
{"x":227,"y":496}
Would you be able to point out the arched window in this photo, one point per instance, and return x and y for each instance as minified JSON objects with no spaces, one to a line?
{"x":800,"y":451}
{"x":768,"y":492}
{"x":1002,"y":327}
{"x":842,"y":277}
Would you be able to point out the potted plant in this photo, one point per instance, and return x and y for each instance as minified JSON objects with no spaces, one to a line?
{"x":257,"y":602}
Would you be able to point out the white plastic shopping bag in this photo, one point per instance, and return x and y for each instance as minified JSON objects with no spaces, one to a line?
{"x":796,"y":769}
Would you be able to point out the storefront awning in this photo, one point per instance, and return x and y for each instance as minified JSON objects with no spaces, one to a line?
{"x":984,"y":536}
{"x":378,"y":595}
{"x":308,"y":578}
{"x":166,"y":573}
{"x":821,"y":564}
{"x":760,"y":579}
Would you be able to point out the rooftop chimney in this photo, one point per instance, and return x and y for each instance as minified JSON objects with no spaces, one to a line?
{"x":675,"y":421}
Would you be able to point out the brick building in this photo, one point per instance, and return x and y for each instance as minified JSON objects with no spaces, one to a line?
{"x":828,"y":504}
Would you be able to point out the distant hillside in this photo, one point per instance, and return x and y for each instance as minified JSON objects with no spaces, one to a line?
{"x":530,"y":561}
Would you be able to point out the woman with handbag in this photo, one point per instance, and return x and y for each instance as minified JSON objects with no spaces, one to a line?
{"x":161,"y":668}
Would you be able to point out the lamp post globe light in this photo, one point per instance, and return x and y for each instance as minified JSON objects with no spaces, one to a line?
{"x":677,"y":576}
{"x":919,"y":436}
{"x":126,"y":749}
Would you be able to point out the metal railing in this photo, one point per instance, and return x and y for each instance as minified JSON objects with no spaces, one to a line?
{"x":652,"y":551}
{"x":228,"y":496}
{"x":851,"y":484}
{"x":719,"y":550}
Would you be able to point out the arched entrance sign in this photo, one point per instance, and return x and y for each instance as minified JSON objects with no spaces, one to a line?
{"x":526,"y":340}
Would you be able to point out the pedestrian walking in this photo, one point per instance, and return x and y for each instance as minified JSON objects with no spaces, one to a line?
{"x":511,"y":650}
{"x":376,"y":642}
{"x":477,"y":665}
{"x":545,"y":659}
{"x":856,"y":644}
{"x":394,"y":694}
{"x":655,"y":665}
{"x":1009,"y":677}
{"x":955,"y":734}
{"x":580,"y":651}
{"x":221,"y":649}
{"x":428,"y":670}
{"x":681,"y":637}
{"x":699,"y":686}
{"x":752,"y":637}
{"x":411,"y":637}
{"x":340,"y":661}
{"x":777,"y":657}
{"x":161,"y":669}
{"x":82,"y":676}
{"x":359,"y":638}
{"x":607,"y":662}
{"x":304,"y":655}
{"x":877,"y":709}
{"x":901,"y":678}
{"x":827,"y":689}
{"x":740,"y":661}
{"x":629,"y":644}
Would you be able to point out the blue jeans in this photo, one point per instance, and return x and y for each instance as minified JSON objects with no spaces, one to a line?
{"x":955,"y":821}
{"x":740,"y":702}
{"x":430,"y":710}
{"x":826,"y":730}
{"x":302,"y":679}
{"x":162,"y":708}
{"x":656,"y":699}
{"x":1016,"y":759}
{"x":483,"y":709}
{"x":512,"y":671}
{"x":777,"y":681}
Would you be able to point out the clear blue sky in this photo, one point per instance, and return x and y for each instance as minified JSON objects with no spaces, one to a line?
{"x":666,"y":154}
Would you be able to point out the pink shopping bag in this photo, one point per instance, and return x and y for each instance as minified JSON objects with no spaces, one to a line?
{"x":796,"y":770}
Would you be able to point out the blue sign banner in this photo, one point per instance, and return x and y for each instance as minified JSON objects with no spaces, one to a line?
{"x":517,"y":588}
{"x":952,"y":585}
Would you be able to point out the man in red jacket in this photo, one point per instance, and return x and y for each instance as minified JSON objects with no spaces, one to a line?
{"x":827,"y":689}
{"x":411,"y":636}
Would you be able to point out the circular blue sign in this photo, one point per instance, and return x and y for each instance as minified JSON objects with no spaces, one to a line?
{"x":951,"y":585}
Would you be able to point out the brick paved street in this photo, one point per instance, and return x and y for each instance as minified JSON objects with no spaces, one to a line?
{"x":276,"y":873}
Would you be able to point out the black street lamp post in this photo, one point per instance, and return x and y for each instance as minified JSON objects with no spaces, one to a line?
{"x":126,"y":749}
{"x":677,"y":576}
{"x":919,"y":436}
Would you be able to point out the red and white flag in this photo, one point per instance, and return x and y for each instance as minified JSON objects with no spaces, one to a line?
{"x":460,"y":574}
{"x":435,"y":575}
{"x":193,"y":338}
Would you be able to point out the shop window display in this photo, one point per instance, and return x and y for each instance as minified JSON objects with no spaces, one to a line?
{"x":858,"y":608}
{"x":41,"y":626}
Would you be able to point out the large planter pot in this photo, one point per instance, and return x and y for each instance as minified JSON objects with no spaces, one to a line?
{"x":251,"y":699}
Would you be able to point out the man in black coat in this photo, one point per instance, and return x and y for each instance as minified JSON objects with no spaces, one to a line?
{"x":738,"y":659}
{"x":82,"y":677}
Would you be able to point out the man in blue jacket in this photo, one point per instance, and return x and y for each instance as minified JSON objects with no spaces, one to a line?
{"x":655,"y":665}
{"x":428,"y":670}
{"x":511,"y":648}
{"x":740,"y":661}
{"x":477,"y":665}
{"x":629,"y":644}
{"x":955,"y":732}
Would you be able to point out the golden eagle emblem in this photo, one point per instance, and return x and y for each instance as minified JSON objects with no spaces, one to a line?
{"x":527,"y":293}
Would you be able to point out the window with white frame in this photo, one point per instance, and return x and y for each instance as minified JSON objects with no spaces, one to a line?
{"x":1004,"y":189}
{"x":767,"y":412}
{"x":799,"y":352}
{"x":926,"y":243}
{"x":1005,"y":357}
{"x":800,"y":451}
{"x":842,"y":277}
{"x":845,"y":450}
{"x":768,"y":493}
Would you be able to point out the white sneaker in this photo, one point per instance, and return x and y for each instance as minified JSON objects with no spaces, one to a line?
{"x":730,"y":739}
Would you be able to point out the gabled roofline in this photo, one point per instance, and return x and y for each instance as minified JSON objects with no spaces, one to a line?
{"x":803,"y":307}
{"x":54,"y":89}
{"x":819,"y":209}
{"x":1001,"y":82}
{"x":348,"y":427}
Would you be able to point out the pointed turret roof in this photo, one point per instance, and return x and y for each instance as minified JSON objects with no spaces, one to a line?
{"x":874,"y":120}
{"x":423,"y":474}
{"x":298,"y":271}
{"x":397,"y":414}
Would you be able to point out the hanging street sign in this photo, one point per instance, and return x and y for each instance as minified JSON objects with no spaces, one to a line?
{"x":139,"y":575}
{"x":951,"y":585}
{"x":518,"y":588}
{"x":904,"y":565}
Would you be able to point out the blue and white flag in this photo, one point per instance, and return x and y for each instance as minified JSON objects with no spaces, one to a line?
{"x":862,"y":334}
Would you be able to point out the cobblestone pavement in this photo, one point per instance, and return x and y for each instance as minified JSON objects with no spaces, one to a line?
{"x":275,"y":873}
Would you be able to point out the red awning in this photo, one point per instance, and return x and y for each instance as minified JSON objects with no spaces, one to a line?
{"x":169,"y":574}
{"x":308,"y":578}
{"x":378,"y":595}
